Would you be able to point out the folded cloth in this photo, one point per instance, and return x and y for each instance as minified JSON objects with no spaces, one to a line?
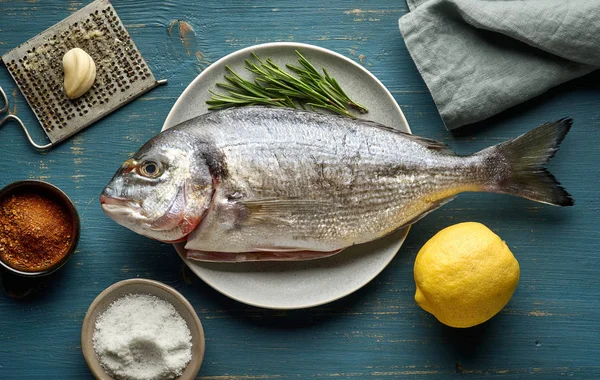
{"x":480,"y":57}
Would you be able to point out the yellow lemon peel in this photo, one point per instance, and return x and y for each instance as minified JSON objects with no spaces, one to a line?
{"x":465,"y":274}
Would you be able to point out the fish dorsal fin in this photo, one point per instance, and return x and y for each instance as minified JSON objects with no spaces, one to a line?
{"x":432,"y":144}
{"x":428,"y":143}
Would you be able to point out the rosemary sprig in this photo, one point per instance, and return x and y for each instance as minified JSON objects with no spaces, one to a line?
{"x":275,"y":87}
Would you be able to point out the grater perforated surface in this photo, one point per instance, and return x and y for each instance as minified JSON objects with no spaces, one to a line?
{"x":121,"y":72}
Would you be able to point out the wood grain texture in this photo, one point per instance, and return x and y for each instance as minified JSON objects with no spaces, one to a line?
{"x":549,"y":329}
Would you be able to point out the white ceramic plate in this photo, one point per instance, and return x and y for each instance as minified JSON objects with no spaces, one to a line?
{"x":295,"y":285}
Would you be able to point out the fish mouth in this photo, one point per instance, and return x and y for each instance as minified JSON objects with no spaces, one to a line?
{"x":117,"y":204}
{"x":105,"y":199}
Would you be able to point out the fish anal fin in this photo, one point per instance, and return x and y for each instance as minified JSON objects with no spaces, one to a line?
{"x":238,"y":257}
{"x":434,"y":206}
{"x":279,"y":249}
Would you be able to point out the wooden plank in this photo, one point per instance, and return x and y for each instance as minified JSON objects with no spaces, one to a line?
{"x":549,"y":329}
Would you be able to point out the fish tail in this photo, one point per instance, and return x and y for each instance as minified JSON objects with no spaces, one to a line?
{"x":524,"y":157}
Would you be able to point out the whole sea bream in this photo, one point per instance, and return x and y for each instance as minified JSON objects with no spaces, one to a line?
{"x":259,"y":183}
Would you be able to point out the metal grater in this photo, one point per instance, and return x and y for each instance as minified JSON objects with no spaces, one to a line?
{"x":121,"y":72}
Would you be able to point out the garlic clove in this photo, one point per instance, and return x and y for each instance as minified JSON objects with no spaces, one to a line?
{"x":80,"y":72}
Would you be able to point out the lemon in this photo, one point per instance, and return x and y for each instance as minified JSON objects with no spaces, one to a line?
{"x":465,"y":275}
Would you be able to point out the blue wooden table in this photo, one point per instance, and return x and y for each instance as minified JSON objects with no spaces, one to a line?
{"x":549,"y":329}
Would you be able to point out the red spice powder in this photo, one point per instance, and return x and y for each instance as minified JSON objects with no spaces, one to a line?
{"x":35,"y":231}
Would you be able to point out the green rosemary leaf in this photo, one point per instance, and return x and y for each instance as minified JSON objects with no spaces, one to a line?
{"x":275,"y":87}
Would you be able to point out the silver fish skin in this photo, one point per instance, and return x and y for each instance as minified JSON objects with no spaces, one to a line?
{"x":259,"y":183}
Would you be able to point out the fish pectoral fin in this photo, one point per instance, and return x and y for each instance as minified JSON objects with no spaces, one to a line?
{"x":279,"y":211}
{"x":238,"y":257}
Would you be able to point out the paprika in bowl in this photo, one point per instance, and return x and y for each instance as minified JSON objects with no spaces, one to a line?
{"x":39,"y":228}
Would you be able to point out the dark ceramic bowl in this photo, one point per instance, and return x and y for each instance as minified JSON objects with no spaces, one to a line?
{"x":56,"y":194}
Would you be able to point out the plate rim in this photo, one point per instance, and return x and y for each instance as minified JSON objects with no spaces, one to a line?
{"x":249,"y":49}
{"x":406,"y":230}
{"x":246,"y":51}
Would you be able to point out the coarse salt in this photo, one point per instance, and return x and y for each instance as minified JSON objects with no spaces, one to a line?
{"x":142,"y":337}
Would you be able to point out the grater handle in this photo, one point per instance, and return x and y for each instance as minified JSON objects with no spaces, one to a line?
{"x":13,"y":117}
{"x":5,"y":100}
{"x":37,"y":146}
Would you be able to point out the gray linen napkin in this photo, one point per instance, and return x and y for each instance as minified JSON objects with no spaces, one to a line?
{"x":480,"y":57}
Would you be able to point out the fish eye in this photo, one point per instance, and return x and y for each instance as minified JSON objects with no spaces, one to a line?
{"x":150,"y":169}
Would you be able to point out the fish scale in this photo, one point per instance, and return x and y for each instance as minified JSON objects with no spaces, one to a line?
{"x":347,"y":219}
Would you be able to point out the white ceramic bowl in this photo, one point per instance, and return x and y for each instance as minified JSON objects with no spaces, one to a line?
{"x":155,"y":288}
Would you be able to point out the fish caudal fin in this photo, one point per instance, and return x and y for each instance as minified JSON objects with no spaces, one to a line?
{"x":525,"y":156}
